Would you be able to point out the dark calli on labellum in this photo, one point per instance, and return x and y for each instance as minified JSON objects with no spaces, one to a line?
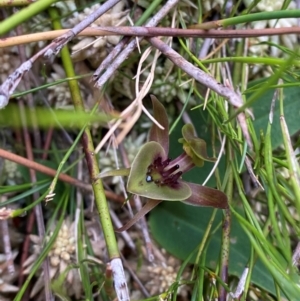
{"x":158,"y":178}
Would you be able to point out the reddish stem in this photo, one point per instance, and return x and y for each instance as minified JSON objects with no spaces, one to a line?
{"x":52,"y":172}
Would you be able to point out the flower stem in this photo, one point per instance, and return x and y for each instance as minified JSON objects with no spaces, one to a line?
{"x":88,"y":147}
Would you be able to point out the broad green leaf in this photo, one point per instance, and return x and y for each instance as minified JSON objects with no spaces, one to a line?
{"x":261,"y":110}
{"x":179,"y":229}
{"x":137,"y":181}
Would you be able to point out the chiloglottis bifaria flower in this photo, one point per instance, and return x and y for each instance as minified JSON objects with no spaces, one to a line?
{"x":155,"y":176}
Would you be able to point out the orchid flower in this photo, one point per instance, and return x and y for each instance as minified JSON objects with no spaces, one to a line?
{"x":155,"y":176}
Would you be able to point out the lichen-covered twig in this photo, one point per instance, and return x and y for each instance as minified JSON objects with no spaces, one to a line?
{"x":141,"y":31}
{"x":207,"y":80}
{"x":10,"y":84}
{"x":100,"y":81}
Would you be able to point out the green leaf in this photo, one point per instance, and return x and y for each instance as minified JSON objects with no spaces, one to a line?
{"x":261,"y":110}
{"x":179,"y":229}
{"x":137,"y":181}
{"x":46,"y":118}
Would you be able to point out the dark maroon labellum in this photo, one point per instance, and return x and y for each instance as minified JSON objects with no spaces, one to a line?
{"x":167,"y":176}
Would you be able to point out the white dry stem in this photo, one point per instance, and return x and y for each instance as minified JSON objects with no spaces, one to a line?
{"x":241,"y":285}
{"x":117,"y":61}
{"x":136,"y":104}
{"x":272,"y":108}
{"x":7,"y":246}
{"x":11,"y":83}
{"x":138,"y":73}
{"x":296,"y":255}
{"x":206,"y":98}
{"x":119,"y":279}
{"x":217,"y":162}
{"x":113,"y":127}
{"x":136,"y":38}
{"x":140,"y":95}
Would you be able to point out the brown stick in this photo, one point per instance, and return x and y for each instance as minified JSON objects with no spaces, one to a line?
{"x":151,"y":32}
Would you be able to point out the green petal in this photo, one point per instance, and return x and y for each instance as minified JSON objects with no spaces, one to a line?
{"x":194,"y":146}
{"x":115,"y":172}
{"x":137,"y":183}
{"x":157,"y":134}
{"x":188,"y":132}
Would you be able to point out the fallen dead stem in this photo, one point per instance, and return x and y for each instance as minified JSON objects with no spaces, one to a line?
{"x":52,"y":172}
{"x":227,"y":92}
{"x":140,"y":31}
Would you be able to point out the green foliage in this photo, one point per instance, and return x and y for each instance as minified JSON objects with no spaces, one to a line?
{"x":180,"y":229}
{"x":46,"y":118}
{"x":261,"y":110}
{"x":264,"y":239}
